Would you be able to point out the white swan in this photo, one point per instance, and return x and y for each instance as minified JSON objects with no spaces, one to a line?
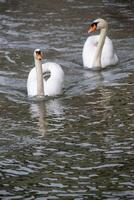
{"x":37,"y":84}
{"x":98,"y":51}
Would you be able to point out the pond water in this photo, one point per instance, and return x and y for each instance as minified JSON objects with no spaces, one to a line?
{"x":78,"y":145}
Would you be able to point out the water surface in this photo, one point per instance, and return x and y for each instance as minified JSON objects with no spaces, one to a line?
{"x":78,"y":145}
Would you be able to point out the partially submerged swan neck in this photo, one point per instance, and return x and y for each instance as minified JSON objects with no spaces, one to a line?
{"x":40,"y":84}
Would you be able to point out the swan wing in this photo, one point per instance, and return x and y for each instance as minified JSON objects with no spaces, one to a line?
{"x":54,"y":84}
{"x":32,"y":83}
{"x":89,"y":50}
{"x":109,"y":56}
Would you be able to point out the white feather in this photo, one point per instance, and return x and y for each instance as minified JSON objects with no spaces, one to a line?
{"x":52,"y":86}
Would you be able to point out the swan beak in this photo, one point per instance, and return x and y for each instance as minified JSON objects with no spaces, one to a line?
{"x":92,"y":28}
{"x":39,"y":55}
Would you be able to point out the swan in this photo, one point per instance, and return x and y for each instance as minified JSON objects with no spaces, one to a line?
{"x":40,"y":85}
{"x":98,"y":51}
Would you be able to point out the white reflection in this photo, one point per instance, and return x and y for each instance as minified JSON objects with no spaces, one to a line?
{"x":42,"y":110}
{"x":101,"y":78}
{"x":54,"y":107}
{"x":98,"y":83}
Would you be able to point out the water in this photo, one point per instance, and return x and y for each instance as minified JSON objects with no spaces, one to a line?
{"x":78,"y":145}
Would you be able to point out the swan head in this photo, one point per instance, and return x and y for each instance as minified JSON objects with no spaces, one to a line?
{"x":98,"y":24}
{"x":38,"y":55}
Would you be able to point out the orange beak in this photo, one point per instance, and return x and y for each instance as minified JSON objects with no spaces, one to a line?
{"x":92,"y":28}
{"x":39,"y":56}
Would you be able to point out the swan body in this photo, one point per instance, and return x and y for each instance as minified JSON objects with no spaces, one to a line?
{"x":38,"y":85}
{"x":98,"y":50}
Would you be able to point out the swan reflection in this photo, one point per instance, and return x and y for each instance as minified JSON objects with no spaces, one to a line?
{"x":44,"y":110}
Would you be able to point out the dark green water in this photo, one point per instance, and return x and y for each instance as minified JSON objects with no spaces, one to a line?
{"x":78,"y":145}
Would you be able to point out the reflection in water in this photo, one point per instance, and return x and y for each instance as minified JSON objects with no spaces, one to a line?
{"x":42,"y":109}
{"x":97,"y":80}
{"x":38,"y":111}
{"x":104,"y":103}
{"x":79,"y":145}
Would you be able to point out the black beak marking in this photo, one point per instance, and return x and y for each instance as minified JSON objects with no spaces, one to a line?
{"x":38,"y":52}
{"x":94,"y":23}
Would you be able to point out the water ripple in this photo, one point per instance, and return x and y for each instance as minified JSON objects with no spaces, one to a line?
{"x":78,"y":145}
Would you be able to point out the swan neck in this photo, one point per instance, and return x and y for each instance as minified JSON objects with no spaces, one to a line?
{"x":97,"y":58}
{"x":39,"y":73}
